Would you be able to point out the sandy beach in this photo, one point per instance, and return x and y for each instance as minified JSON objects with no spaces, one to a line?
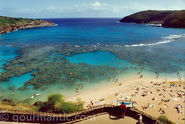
{"x":154,"y":96}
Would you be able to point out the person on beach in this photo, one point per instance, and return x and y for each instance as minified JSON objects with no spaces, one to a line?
{"x":77,"y":90}
{"x":140,"y":119}
{"x":123,"y":108}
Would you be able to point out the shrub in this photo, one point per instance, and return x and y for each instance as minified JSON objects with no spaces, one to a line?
{"x":165,"y":120}
{"x":57,"y":104}
{"x":72,"y":107}
{"x":55,"y":98}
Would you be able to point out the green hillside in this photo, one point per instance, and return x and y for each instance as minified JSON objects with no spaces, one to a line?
{"x":147,"y":16}
{"x":176,"y":19}
{"x":8,"y":24}
{"x":166,"y":18}
{"x":8,"y":20}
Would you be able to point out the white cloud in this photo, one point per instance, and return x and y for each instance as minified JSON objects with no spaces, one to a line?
{"x":84,"y":8}
{"x":94,"y":9}
{"x":96,"y":4}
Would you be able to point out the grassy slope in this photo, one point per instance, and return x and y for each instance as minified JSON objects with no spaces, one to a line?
{"x":9,"y":21}
{"x":16,"y":106}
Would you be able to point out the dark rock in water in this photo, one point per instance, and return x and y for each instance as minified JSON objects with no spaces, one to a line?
{"x":12,"y":88}
{"x":168,"y":18}
{"x":23,"y":88}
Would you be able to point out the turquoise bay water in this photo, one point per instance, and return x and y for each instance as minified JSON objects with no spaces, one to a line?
{"x":6,"y":54}
{"x":99,"y":58}
{"x":18,"y":81}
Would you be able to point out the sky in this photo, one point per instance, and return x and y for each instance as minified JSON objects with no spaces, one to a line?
{"x":83,"y":8}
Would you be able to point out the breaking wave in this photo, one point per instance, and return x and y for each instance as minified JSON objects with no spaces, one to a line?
{"x":164,"y":40}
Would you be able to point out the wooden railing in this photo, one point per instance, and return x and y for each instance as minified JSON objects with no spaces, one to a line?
{"x":38,"y":117}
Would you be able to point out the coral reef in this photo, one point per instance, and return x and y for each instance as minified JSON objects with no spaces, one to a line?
{"x":49,"y":65}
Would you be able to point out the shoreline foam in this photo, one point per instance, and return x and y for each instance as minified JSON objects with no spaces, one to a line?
{"x":165,"y":40}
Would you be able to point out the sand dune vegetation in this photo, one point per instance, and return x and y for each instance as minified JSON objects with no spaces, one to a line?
{"x":57,"y":104}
